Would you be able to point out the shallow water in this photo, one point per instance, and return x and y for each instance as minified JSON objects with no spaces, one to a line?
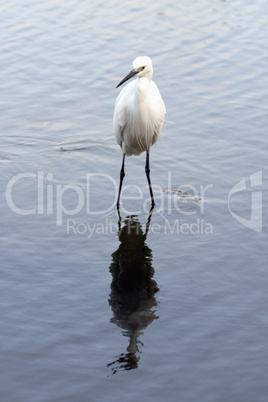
{"x":79,"y":322}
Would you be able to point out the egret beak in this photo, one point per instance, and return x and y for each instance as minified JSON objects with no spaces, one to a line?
{"x":131,"y":74}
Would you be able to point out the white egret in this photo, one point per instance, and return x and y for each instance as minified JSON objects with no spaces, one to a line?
{"x":138,"y":116}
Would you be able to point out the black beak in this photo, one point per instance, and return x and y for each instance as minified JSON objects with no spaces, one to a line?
{"x":130,"y":75}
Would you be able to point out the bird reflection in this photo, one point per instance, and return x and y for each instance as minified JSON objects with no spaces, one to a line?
{"x":132,"y":290}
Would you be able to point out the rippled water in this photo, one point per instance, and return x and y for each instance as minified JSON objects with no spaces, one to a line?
{"x":171,"y":306}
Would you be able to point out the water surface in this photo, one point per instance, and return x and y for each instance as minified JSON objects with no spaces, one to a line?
{"x":194,"y":326}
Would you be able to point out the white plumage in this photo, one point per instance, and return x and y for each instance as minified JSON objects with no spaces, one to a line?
{"x":139,"y":110}
{"x":138,"y":115}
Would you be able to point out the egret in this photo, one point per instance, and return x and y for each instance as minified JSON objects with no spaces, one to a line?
{"x":138,"y":116}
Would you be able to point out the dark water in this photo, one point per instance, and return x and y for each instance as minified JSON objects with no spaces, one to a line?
{"x":173,"y":306}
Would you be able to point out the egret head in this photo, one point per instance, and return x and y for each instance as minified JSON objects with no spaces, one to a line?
{"x":142,"y":67}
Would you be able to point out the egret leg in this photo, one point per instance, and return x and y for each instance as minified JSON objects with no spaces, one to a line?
{"x":122,"y":175}
{"x":147,"y":171}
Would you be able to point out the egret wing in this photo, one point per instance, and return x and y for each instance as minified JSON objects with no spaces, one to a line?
{"x":158,"y":110}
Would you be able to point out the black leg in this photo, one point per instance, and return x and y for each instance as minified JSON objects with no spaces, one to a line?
{"x":148,"y":221}
{"x":122,"y":175}
{"x":147,"y":171}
